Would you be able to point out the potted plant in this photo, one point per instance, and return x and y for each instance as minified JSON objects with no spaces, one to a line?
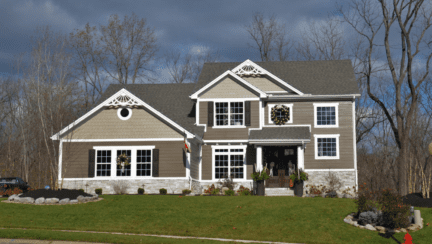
{"x":260,"y":177}
{"x":298,"y":177}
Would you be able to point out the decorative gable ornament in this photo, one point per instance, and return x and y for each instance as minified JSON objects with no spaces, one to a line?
{"x":248,"y":70}
{"x":123,"y":100}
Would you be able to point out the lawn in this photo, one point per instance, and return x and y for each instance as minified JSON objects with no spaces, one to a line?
{"x":284,"y":219}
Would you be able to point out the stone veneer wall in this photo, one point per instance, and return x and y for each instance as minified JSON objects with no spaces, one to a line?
{"x":320,"y":177}
{"x":151,"y":186}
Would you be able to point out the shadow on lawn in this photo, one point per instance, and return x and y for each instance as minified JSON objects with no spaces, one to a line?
{"x":389,"y":235}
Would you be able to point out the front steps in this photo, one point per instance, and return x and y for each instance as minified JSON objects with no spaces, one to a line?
{"x":282,"y":191}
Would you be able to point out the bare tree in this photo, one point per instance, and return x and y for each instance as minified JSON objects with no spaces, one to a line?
{"x":412,"y":19}
{"x":270,"y":38}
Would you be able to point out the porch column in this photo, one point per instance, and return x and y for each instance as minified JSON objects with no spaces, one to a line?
{"x":259,"y":167}
{"x":300,"y":157}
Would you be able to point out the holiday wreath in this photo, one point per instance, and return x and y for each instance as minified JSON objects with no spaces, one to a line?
{"x":122,"y":161}
{"x":283,"y":113}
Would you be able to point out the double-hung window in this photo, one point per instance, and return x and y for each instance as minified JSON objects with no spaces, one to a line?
{"x":229,"y":162}
{"x":326,"y":146}
{"x":140,"y":159}
{"x":326,"y":115}
{"x":229,"y":113}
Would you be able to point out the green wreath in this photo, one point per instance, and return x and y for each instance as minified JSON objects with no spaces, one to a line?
{"x":284,"y":111}
{"x":123,"y":159}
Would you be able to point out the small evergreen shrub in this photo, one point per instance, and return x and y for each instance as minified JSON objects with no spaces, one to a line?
{"x":395,"y":213}
{"x":369,"y":217}
{"x":229,"y":193}
{"x":140,"y":190}
{"x":163,"y":191}
{"x":98,"y":191}
{"x":81,"y":190}
{"x":186,"y":191}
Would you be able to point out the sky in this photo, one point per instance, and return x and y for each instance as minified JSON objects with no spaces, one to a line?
{"x":185,"y":24}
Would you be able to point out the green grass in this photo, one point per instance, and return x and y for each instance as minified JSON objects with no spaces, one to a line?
{"x":284,"y":219}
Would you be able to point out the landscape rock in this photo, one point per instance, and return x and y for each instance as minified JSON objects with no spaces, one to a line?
{"x":349,"y":217}
{"x":64,"y":201}
{"x":380,"y":228}
{"x":414,"y":227}
{"x":224,"y":189}
{"x":51,"y":200}
{"x":397,"y":231}
{"x":356,"y":224}
{"x":361,"y":227}
{"x":40,"y":200}
{"x":73,"y":201}
{"x":81,"y":198}
{"x":87,"y":199}
{"x":12,"y":198}
{"x":369,"y":227}
{"x":403,"y":230}
{"x":348,"y":221}
{"x":26,"y":200}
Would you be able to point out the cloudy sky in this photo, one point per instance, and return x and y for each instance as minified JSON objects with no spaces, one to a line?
{"x":185,"y":24}
{"x":178,"y":24}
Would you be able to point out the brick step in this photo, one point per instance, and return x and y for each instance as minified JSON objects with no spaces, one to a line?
{"x":283,"y":191}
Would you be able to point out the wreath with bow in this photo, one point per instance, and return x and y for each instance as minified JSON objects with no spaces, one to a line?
{"x":282,"y":110}
{"x":123,"y":160}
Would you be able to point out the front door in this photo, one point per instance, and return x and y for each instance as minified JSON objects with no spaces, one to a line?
{"x":277,"y":160}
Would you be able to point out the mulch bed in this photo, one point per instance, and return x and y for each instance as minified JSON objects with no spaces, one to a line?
{"x":416,"y":200}
{"x":60,"y":194}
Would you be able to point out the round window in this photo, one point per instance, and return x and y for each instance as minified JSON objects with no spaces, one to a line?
{"x":124,"y":113}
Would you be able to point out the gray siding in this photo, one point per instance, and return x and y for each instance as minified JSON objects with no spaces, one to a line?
{"x":195,"y":157}
{"x":75,"y":158}
{"x":229,"y":87}
{"x":206,"y":162}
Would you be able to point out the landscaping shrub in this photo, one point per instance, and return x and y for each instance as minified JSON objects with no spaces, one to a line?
{"x":10,"y":192}
{"x":395,"y":213}
{"x":317,"y":190}
{"x":98,"y":191}
{"x":163,"y":191}
{"x":81,"y":190}
{"x":229,"y":193}
{"x":212,"y":190}
{"x":333,"y":182}
{"x":242,"y":191}
{"x":366,"y":200}
{"x":186,"y":191}
{"x":371,"y":218}
{"x":140,"y":190}
{"x":120,"y":187}
{"x":227,"y":182}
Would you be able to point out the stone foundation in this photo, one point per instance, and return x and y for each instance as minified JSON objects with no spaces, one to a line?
{"x":320,"y":177}
{"x":151,"y":186}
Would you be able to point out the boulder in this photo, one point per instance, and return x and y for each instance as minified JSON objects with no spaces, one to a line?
{"x":348,"y":221}
{"x":361,"y":226}
{"x":51,"y":200}
{"x":40,"y":200}
{"x":12,"y":198}
{"x":369,"y":227}
{"x":73,"y":201}
{"x":397,"y":231}
{"x":25,"y":200}
{"x":349,"y":217}
{"x":64,"y":201}
{"x":81,"y":198}
{"x":332,"y":194}
{"x":353,"y":222}
{"x":403,"y":230}
{"x":356,"y":224}
{"x":414,"y":227}
{"x":88,"y":199}
{"x":380,"y":228}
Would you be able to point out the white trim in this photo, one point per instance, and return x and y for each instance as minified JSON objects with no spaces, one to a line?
{"x":128,"y":178}
{"x":124,"y":118}
{"x":270,"y":106}
{"x":124,"y":147}
{"x":214,"y":147}
{"x":276,"y":91}
{"x":259,"y":159}
{"x":300,"y":156}
{"x":227,"y":99}
{"x":336,"y":105}
{"x":355,"y":143}
{"x":121,"y":140}
{"x":275,"y":126}
{"x":309,"y":96}
{"x":228,"y":72}
{"x":316,"y":136}
{"x":228,"y":127}
{"x":60,"y":159}
{"x":225,"y":141}
{"x":123,"y":92}
{"x":215,"y":181}
{"x":265,"y":72}
{"x":197,"y":111}
{"x":188,"y":164}
{"x":311,"y":170}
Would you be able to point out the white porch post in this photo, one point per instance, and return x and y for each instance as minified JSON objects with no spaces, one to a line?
{"x":259,"y":167}
{"x":300,"y":157}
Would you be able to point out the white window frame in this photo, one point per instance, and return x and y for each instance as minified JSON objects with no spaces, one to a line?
{"x":336,"y":105}
{"x":133,"y":162}
{"x":326,"y":136}
{"x":229,"y":114}
{"x":229,"y":154}
{"x":124,"y":118}
{"x":289,"y":105}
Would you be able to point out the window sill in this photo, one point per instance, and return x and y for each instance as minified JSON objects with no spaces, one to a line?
{"x":229,"y":127}
{"x":326,"y":158}
{"x":326,"y":126}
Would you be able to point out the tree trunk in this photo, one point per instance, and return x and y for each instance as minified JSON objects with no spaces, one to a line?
{"x":402,"y":165}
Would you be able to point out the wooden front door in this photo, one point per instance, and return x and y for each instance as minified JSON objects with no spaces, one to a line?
{"x":277,"y":160}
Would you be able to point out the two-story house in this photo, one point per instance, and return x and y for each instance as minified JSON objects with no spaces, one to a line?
{"x":238,"y":118}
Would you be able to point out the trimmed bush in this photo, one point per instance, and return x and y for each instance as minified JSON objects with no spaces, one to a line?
{"x":81,"y":190}
{"x":186,"y":191}
{"x":98,"y":191}
{"x":229,"y":193}
{"x":163,"y":191}
{"x":140,"y":190}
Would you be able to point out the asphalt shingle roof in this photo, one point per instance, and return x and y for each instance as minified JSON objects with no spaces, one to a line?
{"x":328,"y":77}
{"x":172,"y":100}
{"x":282,"y":133}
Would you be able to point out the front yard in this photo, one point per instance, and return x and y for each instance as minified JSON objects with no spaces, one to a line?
{"x":283,"y":219}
